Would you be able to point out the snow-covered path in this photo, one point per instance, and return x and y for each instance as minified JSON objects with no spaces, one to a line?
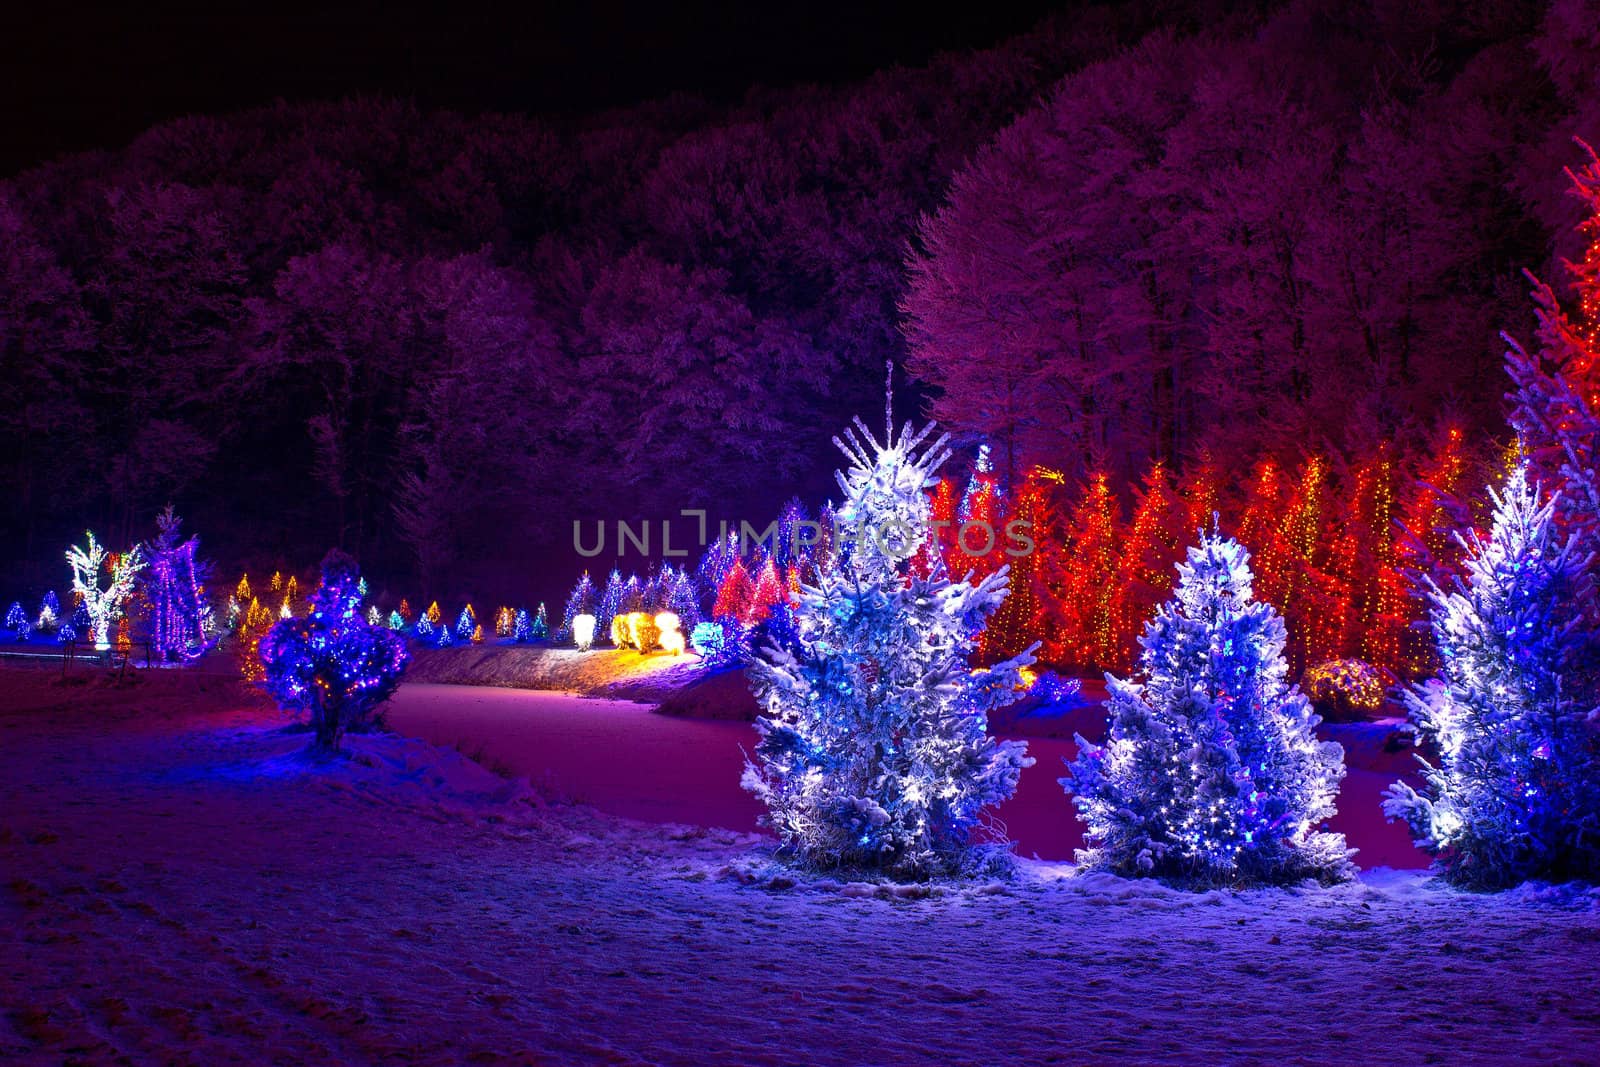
{"x":179,"y":886}
{"x":622,"y":759}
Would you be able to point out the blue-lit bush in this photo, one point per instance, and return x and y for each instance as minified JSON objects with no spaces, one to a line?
{"x":723,"y":643}
{"x":332,"y":662}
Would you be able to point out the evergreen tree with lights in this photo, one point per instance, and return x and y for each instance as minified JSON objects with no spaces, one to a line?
{"x":1211,"y":773}
{"x":1019,"y":620}
{"x":875,"y":751}
{"x":770,"y":591}
{"x":1515,"y":793}
{"x":49,"y":612}
{"x":581,"y":601}
{"x":610,"y":604}
{"x":521,"y":627}
{"x":736,"y":595}
{"x":333,"y":663}
{"x":683,"y":600}
{"x":540,"y":630}
{"x":465,"y":622}
{"x":16,"y":618}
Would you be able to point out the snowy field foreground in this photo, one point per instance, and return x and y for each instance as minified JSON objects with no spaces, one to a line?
{"x":181,"y":885}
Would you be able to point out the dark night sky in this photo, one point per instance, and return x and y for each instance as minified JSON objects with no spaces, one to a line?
{"x":76,"y":79}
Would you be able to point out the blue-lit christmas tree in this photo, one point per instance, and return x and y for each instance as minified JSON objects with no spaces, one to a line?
{"x":521,"y":627}
{"x":1515,"y":793}
{"x":683,"y":600}
{"x":581,"y":601}
{"x":16,"y":618}
{"x":610,"y":604}
{"x":332,"y":663}
{"x":1211,"y":772}
{"x":875,"y":751}
{"x":540,"y":629}
{"x":465,"y":622}
{"x":714,"y":566}
{"x":49,"y":612}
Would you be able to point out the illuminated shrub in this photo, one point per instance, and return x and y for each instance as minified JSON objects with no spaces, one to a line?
{"x":333,"y":663}
{"x":1344,"y":689}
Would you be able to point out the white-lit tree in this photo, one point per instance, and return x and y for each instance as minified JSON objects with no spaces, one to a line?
{"x":1515,"y":793}
{"x":875,"y":751}
{"x":1211,"y":772}
{"x":104,"y":606}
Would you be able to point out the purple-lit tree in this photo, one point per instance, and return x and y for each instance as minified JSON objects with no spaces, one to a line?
{"x":174,"y":589}
{"x":332,"y":663}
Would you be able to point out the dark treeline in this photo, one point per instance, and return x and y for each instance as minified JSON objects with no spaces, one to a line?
{"x":437,"y":339}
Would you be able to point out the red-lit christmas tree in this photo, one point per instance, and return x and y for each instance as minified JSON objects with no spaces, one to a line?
{"x":1145,"y":564}
{"x":1084,"y":579}
{"x":1429,"y":512}
{"x":1018,"y":622}
{"x":736,"y":594}
{"x":770,"y":591}
{"x":1556,"y":402}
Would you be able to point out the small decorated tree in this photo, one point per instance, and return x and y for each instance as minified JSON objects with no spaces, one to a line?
{"x":466,"y":622}
{"x":540,"y":630}
{"x":521,"y":627}
{"x":1211,"y":773}
{"x":875,"y":751}
{"x":611,"y":602}
{"x":771,"y":591}
{"x":736,"y":595}
{"x":1516,"y":791}
{"x":332,"y":663}
{"x":49,"y":612}
{"x":253,"y":626}
{"x":104,"y":606}
{"x":581,"y":601}
{"x":16,"y":618}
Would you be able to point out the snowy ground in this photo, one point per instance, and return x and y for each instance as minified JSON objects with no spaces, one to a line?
{"x":179,"y":885}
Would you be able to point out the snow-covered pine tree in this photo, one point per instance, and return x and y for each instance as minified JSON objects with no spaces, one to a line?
{"x":1211,"y":773}
{"x":875,"y":751}
{"x":1516,"y":792}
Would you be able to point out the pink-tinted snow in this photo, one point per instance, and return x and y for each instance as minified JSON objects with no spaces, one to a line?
{"x":623,"y":759}
{"x":180,"y":885}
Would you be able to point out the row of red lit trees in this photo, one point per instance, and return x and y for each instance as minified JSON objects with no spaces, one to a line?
{"x":1338,"y":541}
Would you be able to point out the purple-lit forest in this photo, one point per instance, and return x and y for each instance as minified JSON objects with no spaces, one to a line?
{"x":1077,"y":541}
